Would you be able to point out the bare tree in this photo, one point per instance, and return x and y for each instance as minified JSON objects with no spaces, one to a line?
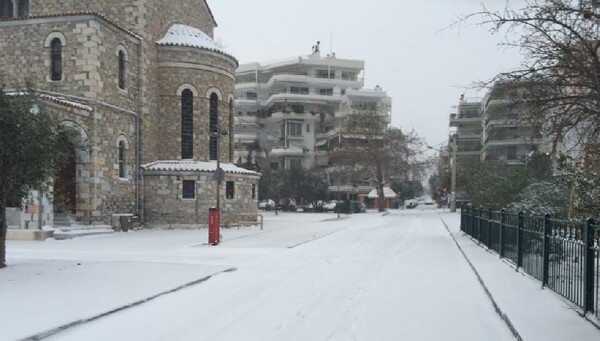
{"x":367,"y":146}
{"x":559,"y":80}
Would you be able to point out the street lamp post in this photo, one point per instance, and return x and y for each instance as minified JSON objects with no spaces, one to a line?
{"x":219,"y":172}
{"x":454,"y":141}
{"x":453,"y":183}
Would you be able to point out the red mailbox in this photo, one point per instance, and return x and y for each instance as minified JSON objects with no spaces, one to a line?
{"x":213,"y":226}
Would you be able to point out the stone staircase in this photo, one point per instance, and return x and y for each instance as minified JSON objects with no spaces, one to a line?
{"x":68,"y":228}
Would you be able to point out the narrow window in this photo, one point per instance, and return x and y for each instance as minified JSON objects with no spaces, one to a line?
{"x":122,"y":159}
{"x":187,"y":124}
{"x":189,"y":189}
{"x":253,"y":191}
{"x":308,"y":128}
{"x":213,"y":125}
{"x":229,"y":190}
{"x":55,"y":60}
{"x":231,"y":134}
{"x":6,"y":9}
{"x":122,"y":70}
{"x":23,"y":9}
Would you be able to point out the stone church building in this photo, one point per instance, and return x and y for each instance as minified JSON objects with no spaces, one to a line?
{"x":151,"y":96}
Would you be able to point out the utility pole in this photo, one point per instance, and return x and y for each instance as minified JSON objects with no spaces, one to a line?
{"x":453,"y":183}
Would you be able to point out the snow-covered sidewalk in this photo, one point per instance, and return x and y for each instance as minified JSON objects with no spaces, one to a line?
{"x":536,"y":313}
{"x":304,"y":277}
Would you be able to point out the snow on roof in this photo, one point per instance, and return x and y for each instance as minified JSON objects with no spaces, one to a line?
{"x":183,"y":35}
{"x":55,"y":99}
{"x":195,"y":166}
{"x":387,"y":193}
{"x":68,"y":103}
{"x":71,"y":14}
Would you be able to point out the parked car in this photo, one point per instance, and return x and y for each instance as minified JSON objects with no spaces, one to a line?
{"x":350,"y":206}
{"x":266,"y":205}
{"x":411,"y":204}
{"x":330,"y":206}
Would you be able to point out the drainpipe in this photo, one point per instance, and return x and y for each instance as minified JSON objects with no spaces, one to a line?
{"x":139,"y":203}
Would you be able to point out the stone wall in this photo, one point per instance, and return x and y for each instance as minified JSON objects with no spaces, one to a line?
{"x":202,"y":78}
{"x":133,"y":14}
{"x":154,"y":22}
{"x":89,"y":58}
{"x":164,"y":207}
{"x":123,"y":12}
{"x":100,"y":191}
{"x":90,"y":68}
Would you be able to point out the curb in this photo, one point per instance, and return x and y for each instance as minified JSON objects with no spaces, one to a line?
{"x":499,"y":311}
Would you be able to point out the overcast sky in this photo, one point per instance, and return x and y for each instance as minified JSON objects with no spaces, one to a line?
{"x":423,"y":67}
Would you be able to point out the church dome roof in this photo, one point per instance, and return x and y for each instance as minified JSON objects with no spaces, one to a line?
{"x":183,"y":35}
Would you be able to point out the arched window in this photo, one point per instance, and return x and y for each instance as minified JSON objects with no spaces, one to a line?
{"x":56,"y":59}
{"x":6,"y":9}
{"x":23,"y":9}
{"x":122,"y":163}
{"x":231,"y":135}
{"x":187,"y":124}
{"x":121,"y":70}
{"x":214,"y":124}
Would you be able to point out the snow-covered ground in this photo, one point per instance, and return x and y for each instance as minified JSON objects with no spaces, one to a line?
{"x":304,"y":277}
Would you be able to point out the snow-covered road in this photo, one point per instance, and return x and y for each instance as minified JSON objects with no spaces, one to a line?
{"x":305,"y":277}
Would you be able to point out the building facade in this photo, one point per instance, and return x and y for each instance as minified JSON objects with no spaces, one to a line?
{"x":508,"y":135}
{"x":288,"y":113}
{"x":467,"y":123}
{"x":151,"y":95}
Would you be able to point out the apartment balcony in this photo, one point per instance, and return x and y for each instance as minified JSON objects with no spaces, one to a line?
{"x":246,"y":120}
{"x":242,"y":153}
{"x":245,"y":102}
{"x":387,"y":117}
{"x":497,"y":102}
{"x":246,"y":137}
{"x":306,"y":116}
{"x":505,"y":122}
{"x":302,"y":79}
{"x":291,"y":151}
{"x":322,"y":81}
{"x":469,"y":135}
{"x":248,"y":86}
{"x":512,"y":141}
{"x":468,"y":153}
{"x":299,"y":97}
{"x":327,"y":135}
{"x":456,"y":120}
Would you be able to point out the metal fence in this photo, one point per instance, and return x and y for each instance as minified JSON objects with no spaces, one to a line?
{"x":563,"y":254}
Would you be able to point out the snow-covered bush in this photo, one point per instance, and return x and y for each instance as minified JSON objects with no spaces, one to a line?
{"x":542,"y":198}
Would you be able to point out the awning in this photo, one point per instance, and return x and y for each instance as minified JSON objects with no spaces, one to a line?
{"x":387,"y":193}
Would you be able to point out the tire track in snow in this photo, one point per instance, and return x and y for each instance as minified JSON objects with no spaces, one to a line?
{"x":65,"y":327}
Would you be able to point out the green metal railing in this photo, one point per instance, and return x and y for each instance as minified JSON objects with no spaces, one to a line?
{"x":562,"y":254}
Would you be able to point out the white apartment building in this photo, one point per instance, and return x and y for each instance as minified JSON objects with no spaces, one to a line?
{"x":495,"y":129}
{"x":467,"y":121}
{"x":507,"y":135}
{"x":288,"y":112}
